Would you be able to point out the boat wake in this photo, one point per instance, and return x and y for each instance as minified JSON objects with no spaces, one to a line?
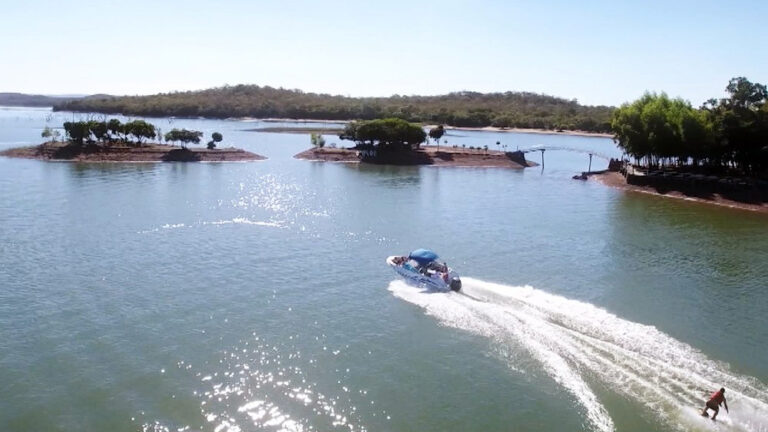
{"x":580,"y":346}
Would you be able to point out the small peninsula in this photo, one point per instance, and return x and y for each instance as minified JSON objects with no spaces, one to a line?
{"x":397,"y":142}
{"x":715,"y":154}
{"x":113,"y":141}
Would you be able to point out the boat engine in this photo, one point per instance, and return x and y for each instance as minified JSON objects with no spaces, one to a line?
{"x":455,"y":284}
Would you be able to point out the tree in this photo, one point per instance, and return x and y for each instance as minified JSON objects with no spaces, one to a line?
{"x":386,"y":134}
{"x":47,"y":133}
{"x":77,"y":132}
{"x":115,"y":129}
{"x":140,"y":130}
{"x":436,"y":133}
{"x":184,"y":137}
{"x":99,"y":130}
{"x":740,"y":124}
{"x":215,"y":138}
{"x":317,"y":140}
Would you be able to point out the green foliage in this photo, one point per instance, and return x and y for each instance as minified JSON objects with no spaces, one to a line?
{"x":47,"y":132}
{"x":392,"y":133}
{"x":184,"y":137}
{"x":98,"y":130}
{"x":731,"y":131}
{"x":77,"y":132}
{"x":115,"y":128}
{"x":140,"y":130}
{"x":106,"y":131}
{"x":656,"y":126}
{"x":740,"y":124}
{"x":317,"y":140}
{"x":215,"y":138}
{"x":463,"y":109}
{"x":436,"y":133}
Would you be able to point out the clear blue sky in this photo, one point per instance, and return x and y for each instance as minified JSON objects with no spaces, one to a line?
{"x":599,"y":52}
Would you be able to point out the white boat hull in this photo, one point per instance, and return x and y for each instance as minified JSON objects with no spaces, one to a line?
{"x":433,"y":280}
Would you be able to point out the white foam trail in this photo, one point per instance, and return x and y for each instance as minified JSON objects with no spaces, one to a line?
{"x":245,"y":221}
{"x":233,"y":221}
{"x":576,"y":342}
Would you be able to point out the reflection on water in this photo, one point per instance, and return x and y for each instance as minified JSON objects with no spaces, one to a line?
{"x":279,"y":387}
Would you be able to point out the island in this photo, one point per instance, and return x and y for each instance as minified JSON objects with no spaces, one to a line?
{"x":395,"y":141}
{"x":113,"y":141}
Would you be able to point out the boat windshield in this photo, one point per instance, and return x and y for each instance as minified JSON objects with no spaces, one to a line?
{"x":412,"y":264}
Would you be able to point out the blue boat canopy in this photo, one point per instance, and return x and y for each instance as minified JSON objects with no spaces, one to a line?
{"x":423,"y":256}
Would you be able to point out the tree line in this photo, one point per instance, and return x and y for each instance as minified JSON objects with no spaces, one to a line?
{"x":461,"y":109}
{"x":134,"y":133}
{"x":730,"y":132}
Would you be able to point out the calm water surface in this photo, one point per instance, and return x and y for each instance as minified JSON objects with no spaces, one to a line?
{"x":254,"y":296}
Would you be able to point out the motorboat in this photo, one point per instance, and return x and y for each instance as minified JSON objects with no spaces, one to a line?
{"x":422,"y":268}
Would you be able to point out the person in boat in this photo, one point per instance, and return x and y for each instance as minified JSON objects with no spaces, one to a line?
{"x":714,"y":402}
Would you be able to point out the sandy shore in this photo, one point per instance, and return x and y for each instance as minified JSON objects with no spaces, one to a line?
{"x":146,"y":153}
{"x":424,"y":156}
{"x":480,"y":129}
{"x":297,"y":130}
{"x":529,"y":131}
{"x":616,"y":180}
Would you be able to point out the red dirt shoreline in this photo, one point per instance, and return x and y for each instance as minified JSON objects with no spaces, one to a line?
{"x":61,"y":152}
{"x":425,"y":156}
{"x":616,"y":180}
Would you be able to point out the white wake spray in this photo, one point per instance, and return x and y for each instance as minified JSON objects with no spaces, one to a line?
{"x":574,"y":341}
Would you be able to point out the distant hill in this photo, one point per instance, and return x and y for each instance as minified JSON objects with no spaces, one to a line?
{"x":463,"y":109}
{"x":27,"y":100}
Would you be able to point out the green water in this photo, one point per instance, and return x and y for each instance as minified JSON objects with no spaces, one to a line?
{"x":254,"y":296}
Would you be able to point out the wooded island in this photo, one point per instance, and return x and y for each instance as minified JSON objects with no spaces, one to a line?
{"x":114,"y":141}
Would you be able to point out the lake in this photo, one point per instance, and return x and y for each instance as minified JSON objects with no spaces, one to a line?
{"x":255,"y":296}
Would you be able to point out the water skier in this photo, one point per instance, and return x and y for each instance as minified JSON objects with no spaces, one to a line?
{"x":714,"y":402}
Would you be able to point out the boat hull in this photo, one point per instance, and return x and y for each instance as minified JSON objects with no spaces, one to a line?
{"x":434,"y":281}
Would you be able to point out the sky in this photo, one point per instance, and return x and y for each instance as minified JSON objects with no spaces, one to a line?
{"x":599,"y":52}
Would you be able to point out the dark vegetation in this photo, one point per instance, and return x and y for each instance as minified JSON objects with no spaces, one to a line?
{"x":462,"y":109}
{"x":728,"y":135}
{"x":133,"y":133}
{"x":390,"y":134}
